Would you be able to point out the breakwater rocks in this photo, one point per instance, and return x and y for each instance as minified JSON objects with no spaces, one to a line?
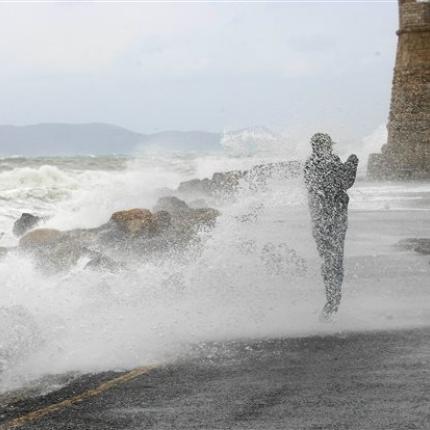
{"x":227,"y":183}
{"x":170,"y":226}
{"x":139,"y":232}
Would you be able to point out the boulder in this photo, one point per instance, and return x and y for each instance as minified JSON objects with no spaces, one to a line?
{"x":419,"y":245}
{"x":195,"y":186}
{"x":423,"y":248}
{"x":198,"y":204}
{"x":221,"y":182}
{"x":185,"y":216}
{"x":203,"y":216}
{"x":226,"y":182}
{"x":25,"y":223}
{"x":172,"y":204}
{"x":162,"y":220}
{"x":40,"y":237}
{"x":88,"y":237}
{"x":52,"y":249}
{"x":134,"y":221}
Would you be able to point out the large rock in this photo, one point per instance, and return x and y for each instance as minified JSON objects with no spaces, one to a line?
{"x":172,"y":205}
{"x":226,"y":182}
{"x":40,"y":237}
{"x":162,"y":221}
{"x":134,"y":221}
{"x":25,"y":223}
{"x":138,"y":222}
{"x":419,"y":245}
{"x":198,"y":204}
{"x":203,"y":216}
{"x":220,"y":183}
{"x":185,"y":216}
{"x":52,"y":249}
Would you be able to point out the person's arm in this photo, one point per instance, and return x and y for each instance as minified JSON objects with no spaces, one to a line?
{"x":348,"y":172}
{"x":306,"y":174}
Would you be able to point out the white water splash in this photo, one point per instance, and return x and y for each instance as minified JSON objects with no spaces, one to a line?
{"x":240,"y":282}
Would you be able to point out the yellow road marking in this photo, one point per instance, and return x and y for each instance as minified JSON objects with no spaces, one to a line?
{"x":55,"y":407}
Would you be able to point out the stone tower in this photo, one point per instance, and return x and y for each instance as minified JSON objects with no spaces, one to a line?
{"x":407,"y":152}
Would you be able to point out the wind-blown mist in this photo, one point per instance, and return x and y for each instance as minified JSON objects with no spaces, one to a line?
{"x":255,"y":274}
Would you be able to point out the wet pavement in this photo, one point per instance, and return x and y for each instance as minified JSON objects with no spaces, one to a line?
{"x":378,"y":380}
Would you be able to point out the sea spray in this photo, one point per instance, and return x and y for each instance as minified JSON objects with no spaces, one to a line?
{"x":255,"y":274}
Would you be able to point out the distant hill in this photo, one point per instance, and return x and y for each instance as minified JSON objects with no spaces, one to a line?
{"x":97,"y":138}
{"x":184,"y":141}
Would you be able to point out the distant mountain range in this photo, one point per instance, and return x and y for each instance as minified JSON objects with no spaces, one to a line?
{"x":98,"y":138}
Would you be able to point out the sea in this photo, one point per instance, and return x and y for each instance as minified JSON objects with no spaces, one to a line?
{"x":237,"y":284}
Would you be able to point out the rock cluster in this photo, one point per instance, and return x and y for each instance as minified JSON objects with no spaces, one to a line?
{"x":227,"y":183}
{"x":171,"y":225}
{"x":138,"y":232}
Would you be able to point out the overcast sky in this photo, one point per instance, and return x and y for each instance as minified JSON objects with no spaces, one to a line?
{"x":205,"y":66}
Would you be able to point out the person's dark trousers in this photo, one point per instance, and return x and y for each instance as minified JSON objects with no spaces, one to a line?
{"x":329,"y":234}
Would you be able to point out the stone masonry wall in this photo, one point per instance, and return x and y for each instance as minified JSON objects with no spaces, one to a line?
{"x":407,"y":152}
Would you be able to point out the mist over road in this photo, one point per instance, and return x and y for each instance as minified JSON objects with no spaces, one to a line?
{"x":377,"y":380}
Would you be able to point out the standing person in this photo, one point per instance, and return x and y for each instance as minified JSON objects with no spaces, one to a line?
{"x":327,"y":180}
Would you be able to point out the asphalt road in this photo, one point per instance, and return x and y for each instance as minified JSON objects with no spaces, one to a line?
{"x":359,"y":381}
